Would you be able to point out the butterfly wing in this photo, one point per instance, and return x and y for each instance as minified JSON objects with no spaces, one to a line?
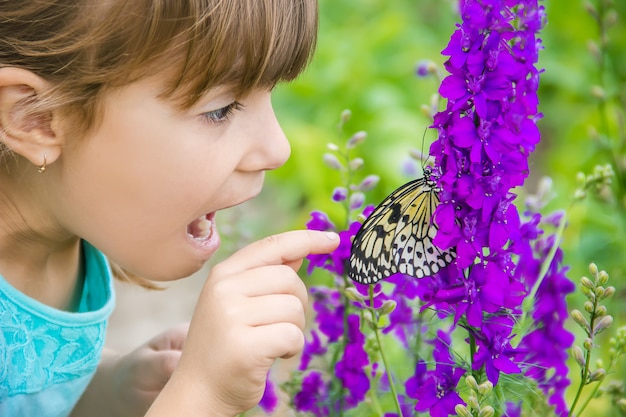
{"x":397,"y":237}
{"x":413,"y":250}
{"x":371,"y":257}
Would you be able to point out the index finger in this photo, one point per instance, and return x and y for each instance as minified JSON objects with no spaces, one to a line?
{"x":284,"y":248}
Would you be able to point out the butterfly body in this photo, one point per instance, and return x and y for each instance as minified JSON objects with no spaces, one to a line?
{"x":398,"y":236}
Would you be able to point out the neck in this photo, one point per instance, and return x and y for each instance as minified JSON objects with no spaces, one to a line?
{"x":37,"y":257}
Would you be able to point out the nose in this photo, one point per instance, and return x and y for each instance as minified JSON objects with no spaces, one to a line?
{"x":269,"y":148}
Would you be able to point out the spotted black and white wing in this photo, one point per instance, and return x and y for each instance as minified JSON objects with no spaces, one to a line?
{"x":398,"y":235}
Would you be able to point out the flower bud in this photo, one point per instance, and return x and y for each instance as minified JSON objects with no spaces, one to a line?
{"x":601,"y":311}
{"x":599,"y":291}
{"x":472,"y":401}
{"x":580,"y":195}
{"x":597,"y":375}
{"x":422,"y":68}
{"x":435,"y":99}
{"x":426,"y":111}
{"x":598,"y":92}
{"x":612,"y":354}
{"x":621,"y":405}
{"x":346,"y":115}
{"x":602,"y":323}
{"x":578,"y":355}
{"x":487,"y":411}
{"x":357,"y":200}
{"x":588,"y":293}
{"x":544,"y":188}
{"x":611,"y":18}
{"x":594,"y":50}
{"x":609,"y":291}
{"x":485,"y":388}
{"x":356,"y":164}
{"x":387,"y":307}
{"x":332,"y":162}
{"x":603,"y":277}
{"x":369,"y":183}
{"x":356,"y":139}
{"x":593,"y":269}
{"x":417,"y":155}
{"x":588,"y":306}
{"x":353,"y":294}
{"x":340,"y":194}
{"x":332,"y":147}
{"x":587,"y":283}
{"x":588,"y":344}
{"x":581,"y":178}
{"x":471,"y":382}
{"x":580,"y":319}
{"x":591,"y":9}
{"x":462,"y":411}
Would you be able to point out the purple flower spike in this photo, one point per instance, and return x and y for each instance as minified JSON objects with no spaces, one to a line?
{"x":486,"y":134}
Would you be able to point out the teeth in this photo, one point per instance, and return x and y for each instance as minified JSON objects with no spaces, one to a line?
{"x":203,"y":229}
{"x":200,"y":229}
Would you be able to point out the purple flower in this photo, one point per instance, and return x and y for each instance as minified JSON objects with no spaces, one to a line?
{"x":486,"y":134}
{"x":269,"y":401}
{"x":312,"y":348}
{"x":329,"y":311}
{"x":435,"y":390}
{"x":494,"y":349}
{"x":319,"y":221}
{"x":544,"y":349}
{"x":513,"y":410}
{"x":336,"y":261}
{"x":312,"y":396}
{"x":350,"y":369}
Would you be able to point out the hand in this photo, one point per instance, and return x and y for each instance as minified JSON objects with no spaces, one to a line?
{"x":140,"y":376}
{"x":250,"y":312}
{"x":127,"y":385}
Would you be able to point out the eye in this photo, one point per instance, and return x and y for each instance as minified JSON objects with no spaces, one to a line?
{"x":223,"y":115}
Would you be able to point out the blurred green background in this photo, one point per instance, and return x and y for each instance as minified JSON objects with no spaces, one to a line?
{"x":365,"y":61}
{"x":366,"y":58}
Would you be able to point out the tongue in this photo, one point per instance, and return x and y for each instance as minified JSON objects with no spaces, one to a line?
{"x":200,"y":229}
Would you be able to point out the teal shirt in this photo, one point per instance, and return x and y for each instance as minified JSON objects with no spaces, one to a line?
{"x":48,"y":356}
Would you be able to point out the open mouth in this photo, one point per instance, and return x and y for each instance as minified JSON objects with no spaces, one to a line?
{"x":202,"y":228}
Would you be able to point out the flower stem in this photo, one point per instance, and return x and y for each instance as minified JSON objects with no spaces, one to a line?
{"x":583,"y":378}
{"x":383,"y":356}
{"x":584,"y":374}
{"x":592,"y":395}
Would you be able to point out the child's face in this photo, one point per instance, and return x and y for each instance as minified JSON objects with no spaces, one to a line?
{"x":136,"y":186}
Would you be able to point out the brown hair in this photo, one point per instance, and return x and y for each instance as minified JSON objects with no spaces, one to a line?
{"x":84,"y":47}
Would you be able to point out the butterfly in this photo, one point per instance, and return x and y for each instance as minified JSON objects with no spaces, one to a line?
{"x":398,"y":236}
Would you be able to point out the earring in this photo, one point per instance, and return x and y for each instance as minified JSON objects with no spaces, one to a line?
{"x":42,"y":167}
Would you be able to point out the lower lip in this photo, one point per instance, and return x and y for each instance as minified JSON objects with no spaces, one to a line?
{"x":209,"y":246}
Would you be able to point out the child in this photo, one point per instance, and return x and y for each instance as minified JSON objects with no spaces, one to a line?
{"x":125,"y":126}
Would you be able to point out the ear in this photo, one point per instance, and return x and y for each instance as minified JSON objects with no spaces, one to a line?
{"x":24,"y":131}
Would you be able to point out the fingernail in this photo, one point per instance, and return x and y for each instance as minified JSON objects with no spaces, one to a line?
{"x":332,"y":235}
